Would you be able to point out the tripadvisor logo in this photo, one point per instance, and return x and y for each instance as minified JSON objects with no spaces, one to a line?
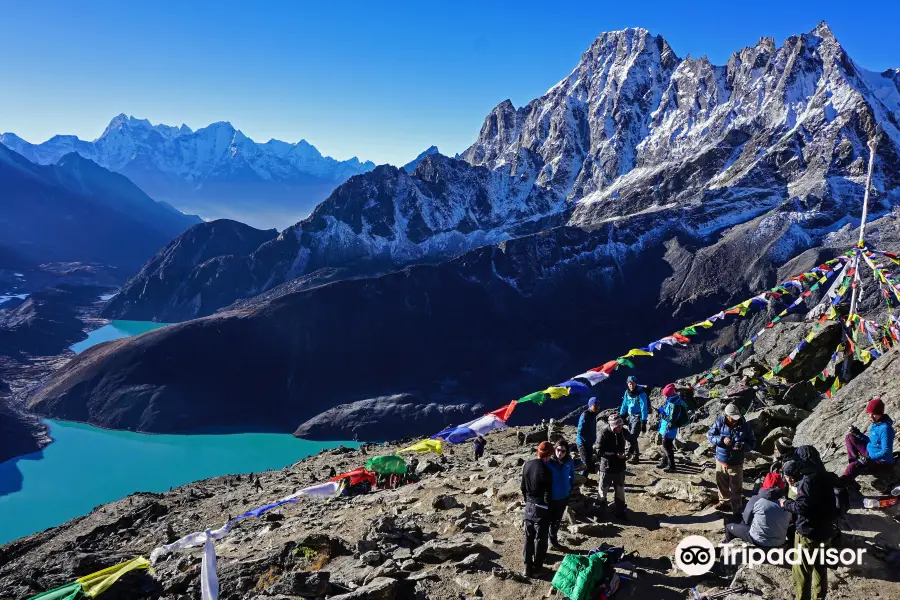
{"x":695,"y":555}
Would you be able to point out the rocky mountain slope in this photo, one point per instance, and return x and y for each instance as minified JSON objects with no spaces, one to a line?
{"x":76,"y":211}
{"x":633,"y":131}
{"x":216,"y":171}
{"x":456,"y":533}
{"x":411,"y":165}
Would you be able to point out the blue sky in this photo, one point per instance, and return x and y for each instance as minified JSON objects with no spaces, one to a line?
{"x":378,"y":80}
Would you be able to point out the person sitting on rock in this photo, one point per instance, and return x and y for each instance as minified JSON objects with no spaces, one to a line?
{"x":731,"y":436}
{"x":586,"y":436}
{"x":816,"y":523}
{"x":765,"y":523}
{"x":479,"y":443}
{"x":563,"y":469}
{"x":667,"y":430}
{"x":411,"y":467}
{"x":874,"y":452}
{"x":634,"y":409}
{"x":537,"y":484}
{"x":612,"y":464}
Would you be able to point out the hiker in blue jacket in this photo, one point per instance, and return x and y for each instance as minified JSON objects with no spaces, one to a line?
{"x":732,"y":437}
{"x":586,"y":436}
{"x":873,"y":452}
{"x":667,"y":431}
{"x":563,"y":469}
{"x":634,"y":410}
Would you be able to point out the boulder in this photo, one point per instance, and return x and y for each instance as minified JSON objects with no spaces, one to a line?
{"x":684,"y":491}
{"x":440,"y":550}
{"x":782,"y":415}
{"x":444,"y":502}
{"x":381,"y":588}
{"x":511,"y":490}
{"x":767,"y":445}
{"x":829,"y":422}
{"x":312,"y":584}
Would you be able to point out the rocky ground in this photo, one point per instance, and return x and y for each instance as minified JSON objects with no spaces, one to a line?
{"x":455,"y":534}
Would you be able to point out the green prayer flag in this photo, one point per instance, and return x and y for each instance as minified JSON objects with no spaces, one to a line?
{"x":70,"y":591}
{"x":625,"y":362}
{"x":537,"y":397}
{"x":777,"y":369}
{"x":688,"y":331}
{"x":389,"y":464}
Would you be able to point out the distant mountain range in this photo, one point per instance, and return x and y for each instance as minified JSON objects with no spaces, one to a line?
{"x":77,"y":211}
{"x":216,"y":171}
{"x":641,"y":186}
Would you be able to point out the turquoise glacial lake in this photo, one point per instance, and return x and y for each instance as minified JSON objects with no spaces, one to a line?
{"x":115,"y":331}
{"x":87,"y":466}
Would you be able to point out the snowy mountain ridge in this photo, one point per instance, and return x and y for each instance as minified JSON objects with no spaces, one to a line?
{"x":633,"y":137}
{"x":216,"y":171}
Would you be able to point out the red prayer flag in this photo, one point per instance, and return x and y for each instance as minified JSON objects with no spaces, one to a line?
{"x":786,"y":361}
{"x":683,"y":339}
{"x":733,"y":311}
{"x":357,"y":475}
{"x":606,"y":367}
{"x":504,"y":412}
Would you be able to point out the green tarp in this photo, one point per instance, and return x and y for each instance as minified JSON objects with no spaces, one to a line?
{"x":389,"y":464}
{"x":578,"y":575}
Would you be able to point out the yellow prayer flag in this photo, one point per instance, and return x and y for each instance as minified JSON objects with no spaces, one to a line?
{"x":638,"y":352}
{"x":424,"y":446}
{"x":705,"y":324}
{"x":557,"y":392}
{"x":96,"y":583}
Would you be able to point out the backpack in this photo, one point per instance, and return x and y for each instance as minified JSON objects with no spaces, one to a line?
{"x":681,"y":414}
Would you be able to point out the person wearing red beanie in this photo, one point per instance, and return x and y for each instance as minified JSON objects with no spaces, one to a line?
{"x":872,"y":453}
{"x":537,"y":489}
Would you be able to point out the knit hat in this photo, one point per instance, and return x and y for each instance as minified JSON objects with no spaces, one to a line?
{"x":773,"y":480}
{"x":733,"y":411}
{"x":669,"y":390}
{"x":631,"y":379}
{"x":784,"y":445}
{"x":875,"y":407}
{"x":545,"y":449}
{"x":592,"y":402}
{"x":615,"y":420}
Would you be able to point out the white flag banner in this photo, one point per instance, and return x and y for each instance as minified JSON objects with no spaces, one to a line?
{"x":594,"y":377}
{"x":192,"y":540}
{"x":484,"y":424}
{"x":209,"y":582}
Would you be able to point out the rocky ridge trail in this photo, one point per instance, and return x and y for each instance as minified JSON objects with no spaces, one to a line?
{"x":455,"y":534}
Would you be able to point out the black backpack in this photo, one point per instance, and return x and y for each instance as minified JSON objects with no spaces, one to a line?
{"x":681,"y":414}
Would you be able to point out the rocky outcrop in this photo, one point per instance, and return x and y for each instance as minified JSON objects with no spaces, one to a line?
{"x":831,"y":419}
{"x":20,"y":432}
{"x":165,"y":281}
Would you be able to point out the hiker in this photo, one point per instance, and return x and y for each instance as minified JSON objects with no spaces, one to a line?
{"x":667,"y":429}
{"x":479,"y":443}
{"x":258,"y":485}
{"x":612,"y":463}
{"x":765,"y":522}
{"x":874,"y":452}
{"x":634,"y":410}
{"x":411,"y":467}
{"x":537,"y":483}
{"x":555,"y":431}
{"x":731,"y":436}
{"x":586,"y":435}
{"x":562,"y":468}
{"x":816,"y":521}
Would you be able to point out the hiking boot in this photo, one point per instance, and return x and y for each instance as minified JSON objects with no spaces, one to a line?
{"x":635,"y":459}
{"x":528,"y":572}
{"x":669,"y":469}
{"x":662,"y":464}
{"x":723,"y":506}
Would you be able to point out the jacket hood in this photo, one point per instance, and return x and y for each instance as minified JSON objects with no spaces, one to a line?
{"x":772,"y":494}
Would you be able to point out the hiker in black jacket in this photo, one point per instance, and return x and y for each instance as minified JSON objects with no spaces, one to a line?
{"x":537,"y":481}
{"x":816,"y":520}
{"x":612,"y":463}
